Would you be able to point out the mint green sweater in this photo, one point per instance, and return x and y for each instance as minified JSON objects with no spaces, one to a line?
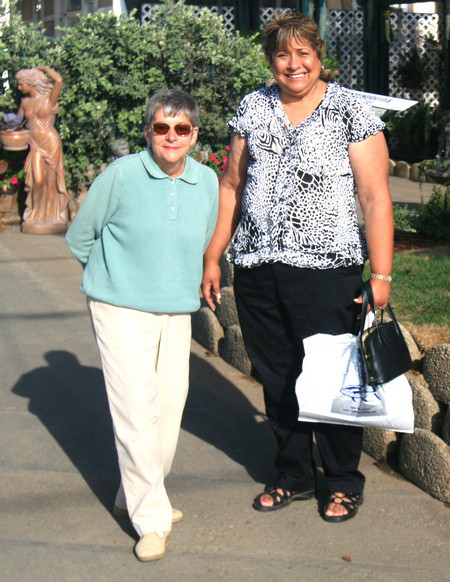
{"x":140,"y":235}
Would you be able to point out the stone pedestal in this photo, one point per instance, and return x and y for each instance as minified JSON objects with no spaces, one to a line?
{"x":45,"y":227}
{"x":9,"y":207}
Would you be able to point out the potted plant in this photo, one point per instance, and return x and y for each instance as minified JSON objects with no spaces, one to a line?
{"x":413,"y":70}
{"x":437,"y":170}
{"x":13,"y":134}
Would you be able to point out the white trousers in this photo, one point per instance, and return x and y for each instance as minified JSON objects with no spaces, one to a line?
{"x":145,"y":359}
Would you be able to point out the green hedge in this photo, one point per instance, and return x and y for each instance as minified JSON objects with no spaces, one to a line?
{"x":111,"y":65}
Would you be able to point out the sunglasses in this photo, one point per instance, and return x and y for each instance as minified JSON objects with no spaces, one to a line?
{"x":181,"y":129}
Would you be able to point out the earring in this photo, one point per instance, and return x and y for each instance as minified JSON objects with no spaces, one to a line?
{"x":323,"y":68}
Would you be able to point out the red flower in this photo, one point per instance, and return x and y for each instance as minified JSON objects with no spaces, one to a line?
{"x":14,"y":181}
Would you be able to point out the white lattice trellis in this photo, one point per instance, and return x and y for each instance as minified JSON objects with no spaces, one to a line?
{"x":267,"y":13}
{"x":345,"y":41}
{"x":227,"y":14}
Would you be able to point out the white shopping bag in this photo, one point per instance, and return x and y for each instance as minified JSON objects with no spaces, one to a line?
{"x":329,"y":389}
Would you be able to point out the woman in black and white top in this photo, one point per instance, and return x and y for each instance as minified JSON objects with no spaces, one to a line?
{"x":300,"y":150}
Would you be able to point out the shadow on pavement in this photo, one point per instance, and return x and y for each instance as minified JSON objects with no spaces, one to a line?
{"x":220,"y":414}
{"x":70,"y":401}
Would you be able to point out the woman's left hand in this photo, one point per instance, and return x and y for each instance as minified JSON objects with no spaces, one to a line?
{"x":381,"y":294}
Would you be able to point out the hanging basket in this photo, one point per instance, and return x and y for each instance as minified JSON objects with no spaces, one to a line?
{"x":14,"y":141}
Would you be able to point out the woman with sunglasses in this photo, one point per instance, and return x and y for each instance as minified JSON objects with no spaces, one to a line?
{"x":140,"y":235}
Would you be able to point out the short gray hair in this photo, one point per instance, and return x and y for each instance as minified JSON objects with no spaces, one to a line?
{"x":172,"y":102}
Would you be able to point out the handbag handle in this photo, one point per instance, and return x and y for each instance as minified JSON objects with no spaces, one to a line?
{"x":368,"y":300}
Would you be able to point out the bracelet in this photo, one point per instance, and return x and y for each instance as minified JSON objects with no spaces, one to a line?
{"x":387,"y":278}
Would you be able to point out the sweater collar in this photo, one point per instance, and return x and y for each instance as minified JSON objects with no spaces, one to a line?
{"x":190,"y":172}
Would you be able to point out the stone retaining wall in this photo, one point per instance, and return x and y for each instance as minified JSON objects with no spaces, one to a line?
{"x":422,"y":457}
{"x":403,"y":169}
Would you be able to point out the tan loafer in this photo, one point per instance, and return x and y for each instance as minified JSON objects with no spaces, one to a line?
{"x":177,"y":515}
{"x":151,"y":547}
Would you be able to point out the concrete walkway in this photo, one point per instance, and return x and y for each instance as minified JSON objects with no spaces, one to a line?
{"x":410,"y":192}
{"x":406,"y":192}
{"x":58,"y":471}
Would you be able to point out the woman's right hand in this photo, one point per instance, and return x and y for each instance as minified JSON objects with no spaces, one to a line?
{"x":211,"y":283}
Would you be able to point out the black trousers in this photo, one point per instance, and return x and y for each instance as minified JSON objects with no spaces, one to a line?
{"x":278,"y":306}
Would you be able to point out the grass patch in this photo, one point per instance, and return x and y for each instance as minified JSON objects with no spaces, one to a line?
{"x":421,"y":294}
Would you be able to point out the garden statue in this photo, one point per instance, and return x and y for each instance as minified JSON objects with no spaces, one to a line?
{"x":119,"y":148}
{"x":46,"y":204}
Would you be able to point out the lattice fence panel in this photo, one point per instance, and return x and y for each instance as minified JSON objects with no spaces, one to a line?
{"x":227,"y":14}
{"x":267,"y":13}
{"x":345,"y":41}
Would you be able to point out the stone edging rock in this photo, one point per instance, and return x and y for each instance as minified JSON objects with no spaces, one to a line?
{"x":403,"y":169}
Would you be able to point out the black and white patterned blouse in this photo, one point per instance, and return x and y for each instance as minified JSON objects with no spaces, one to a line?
{"x":299,"y":205}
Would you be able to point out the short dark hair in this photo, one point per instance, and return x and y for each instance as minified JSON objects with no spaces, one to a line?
{"x":172,"y":102}
{"x":287,"y":26}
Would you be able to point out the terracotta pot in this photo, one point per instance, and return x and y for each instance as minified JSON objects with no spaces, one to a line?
{"x":14,"y":140}
{"x":442,"y":178}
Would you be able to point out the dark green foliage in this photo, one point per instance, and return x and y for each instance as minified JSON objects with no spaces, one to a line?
{"x":21,"y":47}
{"x":433,"y":220}
{"x":105,"y":62}
{"x":413,"y":69}
{"x":415,"y":133}
{"x":403,"y":218}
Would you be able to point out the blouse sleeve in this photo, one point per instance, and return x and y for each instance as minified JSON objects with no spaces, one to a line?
{"x":239,"y":122}
{"x":364,"y":121}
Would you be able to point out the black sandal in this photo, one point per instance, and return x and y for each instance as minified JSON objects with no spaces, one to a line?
{"x":350,"y":501}
{"x":280,"y":500}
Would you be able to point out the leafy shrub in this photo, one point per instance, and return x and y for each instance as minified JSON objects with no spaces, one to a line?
{"x":22,"y":46}
{"x":433,"y":220}
{"x":105,"y":62}
{"x":403,"y":218}
{"x":196,"y":54}
{"x":111,"y":65}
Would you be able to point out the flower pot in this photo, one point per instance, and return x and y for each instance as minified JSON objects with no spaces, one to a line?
{"x":14,"y":140}
{"x":436,"y":177}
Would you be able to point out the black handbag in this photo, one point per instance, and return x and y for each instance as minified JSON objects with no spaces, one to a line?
{"x":383,"y":349}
